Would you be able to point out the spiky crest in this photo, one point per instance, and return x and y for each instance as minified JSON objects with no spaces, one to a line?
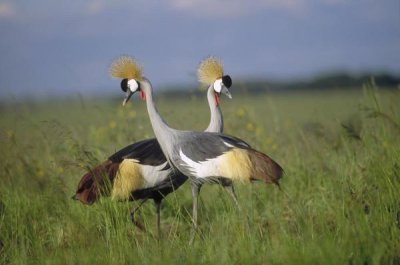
{"x":209,"y":70}
{"x":126,"y":67}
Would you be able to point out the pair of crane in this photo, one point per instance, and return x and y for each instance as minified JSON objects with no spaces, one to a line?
{"x":153,"y":168}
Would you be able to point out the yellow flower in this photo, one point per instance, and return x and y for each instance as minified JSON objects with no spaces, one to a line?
{"x":241,"y":112}
{"x":10,"y":134}
{"x":250,"y":126}
{"x":274,"y":147}
{"x":112,"y":124}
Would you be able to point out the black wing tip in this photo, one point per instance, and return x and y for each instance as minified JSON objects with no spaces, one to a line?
{"x":147,"y":152}
{"x":237,"y":142}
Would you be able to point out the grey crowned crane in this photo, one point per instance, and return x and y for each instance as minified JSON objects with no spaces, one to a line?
{"x":140,"y":171}
{"x":205,"y":156}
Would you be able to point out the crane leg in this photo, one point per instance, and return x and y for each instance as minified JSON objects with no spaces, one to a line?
{"x":231,"y":191}
{"x":228,"y":186}
{"x":158,"y":210}
{"x":133,"y":211}
{"x":195,"y":195}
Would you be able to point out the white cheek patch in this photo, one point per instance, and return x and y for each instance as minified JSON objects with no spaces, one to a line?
{"x":218,"y":85}
{"x":133,"y":85}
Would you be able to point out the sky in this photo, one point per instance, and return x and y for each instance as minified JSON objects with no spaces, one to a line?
{"x":52,"y":47}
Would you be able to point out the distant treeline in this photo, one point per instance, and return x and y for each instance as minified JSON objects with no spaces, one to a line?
{"x":328,"y":81}
{"x":320,"y":82}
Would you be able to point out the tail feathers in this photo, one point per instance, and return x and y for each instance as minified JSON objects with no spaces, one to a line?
{"x":264,"y":168}
{"x":96,"y":182}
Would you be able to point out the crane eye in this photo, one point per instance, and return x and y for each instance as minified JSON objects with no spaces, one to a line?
{"x":124,"y":84}
{"x":227,"y":81}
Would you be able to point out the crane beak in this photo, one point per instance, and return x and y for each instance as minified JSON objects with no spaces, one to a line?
{"x":128,"y":95}
{"x":225,"y":90}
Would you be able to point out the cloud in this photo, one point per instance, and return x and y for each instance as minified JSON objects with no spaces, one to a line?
{"x":281,"y":4}
{"x":335,"y":2}
{"x":7,"y":10}
{"x":225,"y":8}
{"x":237,"y":8}
{"x":95,"y":7}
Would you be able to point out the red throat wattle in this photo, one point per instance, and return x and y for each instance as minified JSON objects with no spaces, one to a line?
{"x":216,"y":99}
{"x":142,"y":95}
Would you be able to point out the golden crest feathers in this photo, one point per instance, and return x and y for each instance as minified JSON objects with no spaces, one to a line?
{"x":209,"y":70}
{"x":126,"y":67}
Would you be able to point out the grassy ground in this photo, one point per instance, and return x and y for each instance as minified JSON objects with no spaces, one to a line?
{"x":339,"y":204}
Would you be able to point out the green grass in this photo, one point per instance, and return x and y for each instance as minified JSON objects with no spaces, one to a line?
{"x":339,"y":204}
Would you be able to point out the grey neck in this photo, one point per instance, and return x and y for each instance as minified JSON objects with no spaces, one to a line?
{"x":216,"y":119}
{"x":164,"y":134}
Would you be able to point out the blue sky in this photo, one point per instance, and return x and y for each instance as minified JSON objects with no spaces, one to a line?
{"x":52,"y":47}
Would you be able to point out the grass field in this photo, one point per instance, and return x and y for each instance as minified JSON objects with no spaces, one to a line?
{"x":339,"y":204}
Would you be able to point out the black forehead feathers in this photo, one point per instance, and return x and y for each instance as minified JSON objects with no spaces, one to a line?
{"x":227,"y":81}
{"x":124,"y":84}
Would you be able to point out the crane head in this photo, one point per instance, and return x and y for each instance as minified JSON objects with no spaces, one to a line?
{"x":130,"y":86}
{"x":221,"y":85}
{"x":127,"y":68}
{"x":211,"y":72}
